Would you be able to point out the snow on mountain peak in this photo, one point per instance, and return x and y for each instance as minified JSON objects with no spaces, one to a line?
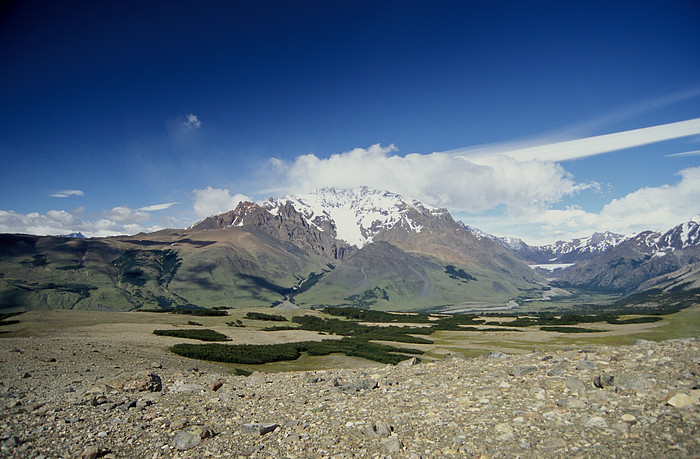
{"x":355,"y":215}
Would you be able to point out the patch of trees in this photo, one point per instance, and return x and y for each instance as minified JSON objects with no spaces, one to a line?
{"x":263,"y":316}
{"x":264,"y":353}
{"x":456,"y":273}
{"x":194,"y":333}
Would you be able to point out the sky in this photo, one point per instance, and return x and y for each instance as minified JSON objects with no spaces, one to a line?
{"x":543,"y":120}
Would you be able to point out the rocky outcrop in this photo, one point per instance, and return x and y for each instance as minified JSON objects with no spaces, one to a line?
{"x":287,"y":225}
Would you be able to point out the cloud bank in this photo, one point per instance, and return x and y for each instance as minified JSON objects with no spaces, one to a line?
{"x":438,"y":179}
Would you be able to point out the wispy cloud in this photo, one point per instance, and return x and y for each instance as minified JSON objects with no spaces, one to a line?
{"x":686,"y":153}
{"x":157,"y":207}
{"x":589,"y":146}
{"x":66,"y":193}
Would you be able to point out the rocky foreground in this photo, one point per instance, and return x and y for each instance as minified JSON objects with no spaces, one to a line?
{"x":59,"y":398}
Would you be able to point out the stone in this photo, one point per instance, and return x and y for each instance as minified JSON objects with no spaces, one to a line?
{"x":557,"y":371}
{"x":93,"y":452}
{"x":365,"y":384}
{"x":256,"y":379}
{"x":144,"y":381}
{"x":596,"y":421}
{"x":11,"y":442}
{"x":522,"y":370}
{"x":408,"y":362}
{"x":258,"y":429}
{"x":585,"y":365}
{"x":190,"y":437}
{"x":575,"y":385}
{"x":392,"y":444}
{"x":496,"y":355}
{"x":602,"y":381}
{"x":678,"y":399}
{"x":632,"y":382}
{"x":378,"y":429}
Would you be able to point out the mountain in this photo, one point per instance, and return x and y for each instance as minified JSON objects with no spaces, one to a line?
{"x":333,"y":247}
{"x":668,"y":260}
{"x":357,"y":215}
{"x":561,"y":252}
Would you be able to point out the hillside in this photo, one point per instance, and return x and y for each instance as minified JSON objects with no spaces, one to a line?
{"x":650,"y":259}
{"x":408,"y":257}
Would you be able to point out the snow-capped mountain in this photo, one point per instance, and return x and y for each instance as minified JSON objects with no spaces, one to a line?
{"x":644,"y":261}
{"x":560,"y":252}
{"x":357,"y":215}
{"x":582,"y":248}
{"x":680,"y":237}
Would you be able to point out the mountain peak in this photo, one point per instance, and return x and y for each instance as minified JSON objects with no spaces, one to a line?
{"x":356,"y":215}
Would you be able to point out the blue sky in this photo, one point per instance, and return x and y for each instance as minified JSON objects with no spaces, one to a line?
{"x":119,"y":117}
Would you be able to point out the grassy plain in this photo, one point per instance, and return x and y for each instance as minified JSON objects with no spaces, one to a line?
{"x":136,"y":329}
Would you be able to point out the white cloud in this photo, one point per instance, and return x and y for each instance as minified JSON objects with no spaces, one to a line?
{"x":589,"y":146}
{"x":210,"y":201}
{"x":191,"y":121}
{"x":438,"y":179}
{"x":650,"y":208}
{"x":157,"y":207}
{"x":66,"y":193}
{"x":55,"y":222}
{"x":124,"y":214}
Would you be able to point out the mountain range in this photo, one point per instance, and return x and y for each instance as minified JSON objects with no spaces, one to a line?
{"x":359,"y":247}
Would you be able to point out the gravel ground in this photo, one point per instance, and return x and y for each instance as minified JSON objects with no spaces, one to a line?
{"x":70,"y":397}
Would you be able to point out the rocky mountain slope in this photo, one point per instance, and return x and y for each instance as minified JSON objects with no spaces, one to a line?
{"x":561,"y":252}
{"x":62,"y":396}
{"x":334,"y":247}
{"x":650,"y":259}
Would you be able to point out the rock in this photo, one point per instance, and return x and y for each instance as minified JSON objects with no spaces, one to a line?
{"x":178,"y":424}
{"x":190,"y":437}
{"x":258,"y":429}
{"x":522,"y":370}
{"x":144,"y":381}
{"x":505,"y":430}
{"x":551,"y":444}
{"x":602,"y":381}
{"x":630,"y":382}
{"x":496,"y":355}
{"x":678,"y":399}
{"x":93,"y":452}
{"x":392,"y":444}
{"x":585,"y":365}
{"x":557,"y":371}
{"x":217,"y":385}
{"x":378,"y":429}
{"x":183,"y":387}
{"x":408,"y":362}
{"x":11,"y":442}
{"x":575,"y":385}
{"x":629,"y":418}
{"x":365,"y":384}
{"x":596,"y":421}
{"x":256,"y":379}
{"x":26,"y":375}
